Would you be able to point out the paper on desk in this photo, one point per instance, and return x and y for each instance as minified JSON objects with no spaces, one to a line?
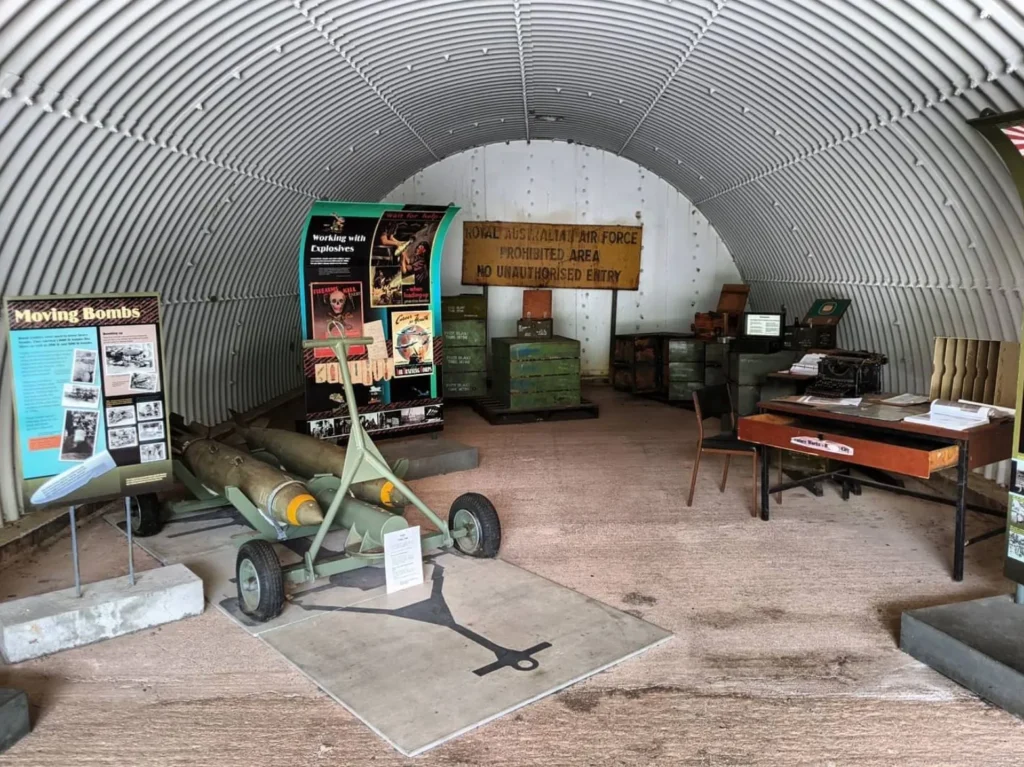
{"x":905,"y":399}
{"x":843,"y":401}
{"x":874,"y":412}
{"x":378,"y":350}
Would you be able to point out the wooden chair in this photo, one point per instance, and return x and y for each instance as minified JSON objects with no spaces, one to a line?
{"x":716,"y":402}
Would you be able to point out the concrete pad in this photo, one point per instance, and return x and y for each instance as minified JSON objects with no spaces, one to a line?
{"x":430,"y":456}
{"x":48,"y":623}
{"x":14,"y":718}
{"x":218,"y":571}
{"x":480,"y":639}
{"x":189,"y":536}
{"x":977,"y":644}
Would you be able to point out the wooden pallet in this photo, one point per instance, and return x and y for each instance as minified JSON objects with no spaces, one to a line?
{"x":496,"y":414}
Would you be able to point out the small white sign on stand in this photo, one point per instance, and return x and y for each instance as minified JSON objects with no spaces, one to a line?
{"x":403,"y":559}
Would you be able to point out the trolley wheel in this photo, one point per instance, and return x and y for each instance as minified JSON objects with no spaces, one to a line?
{"x":146,"y":515}
{"x":476,"y":515}
{"x":259,"y":579}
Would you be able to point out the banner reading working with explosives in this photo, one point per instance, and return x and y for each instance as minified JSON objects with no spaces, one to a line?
{"x":373,"y":270}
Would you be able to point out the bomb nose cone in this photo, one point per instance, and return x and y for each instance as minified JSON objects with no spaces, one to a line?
{"x":305,"y":511}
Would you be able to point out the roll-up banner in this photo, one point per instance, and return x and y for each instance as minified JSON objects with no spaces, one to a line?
{"x":374,"y":270}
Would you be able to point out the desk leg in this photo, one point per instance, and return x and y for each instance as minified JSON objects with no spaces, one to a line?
{"x":960,"y":537}
{"x":764,"y":454}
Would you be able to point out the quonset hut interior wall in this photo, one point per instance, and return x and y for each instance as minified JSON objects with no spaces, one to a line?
{"x":683,"y":263}
{"x":176,"y":144}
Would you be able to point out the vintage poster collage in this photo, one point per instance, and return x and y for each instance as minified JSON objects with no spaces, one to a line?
{"x":88,"y":389}
{"x":372,"y":271}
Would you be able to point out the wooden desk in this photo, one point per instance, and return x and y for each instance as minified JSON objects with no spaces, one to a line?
{"x":915,"y":450}
{"x":785,"y":375}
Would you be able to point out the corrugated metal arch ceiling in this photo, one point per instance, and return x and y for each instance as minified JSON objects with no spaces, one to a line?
{"x":176,"y":145}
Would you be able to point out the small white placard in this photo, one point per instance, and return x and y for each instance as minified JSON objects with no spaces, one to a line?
{"x":403,"y":559}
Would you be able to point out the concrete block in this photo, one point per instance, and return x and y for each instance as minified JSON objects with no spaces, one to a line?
{"x":48,"y":623}
{"x":977,"y":644}
{"x":14,"y":720}
{"x":429,"y":457}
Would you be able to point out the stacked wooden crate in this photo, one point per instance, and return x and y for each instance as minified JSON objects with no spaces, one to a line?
{"x":464,"y":326}
{"x":533,"y":374}
{"x":536,"y":321}
{"x":638,"y":362}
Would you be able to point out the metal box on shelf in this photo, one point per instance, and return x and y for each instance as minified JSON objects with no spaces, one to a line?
{"x":526,"y":328}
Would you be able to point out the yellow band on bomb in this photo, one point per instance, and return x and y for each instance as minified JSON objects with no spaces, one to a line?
{"x":293,"y":507}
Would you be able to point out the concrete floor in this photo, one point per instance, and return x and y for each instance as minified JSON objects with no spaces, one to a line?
{"x":786,"y":647}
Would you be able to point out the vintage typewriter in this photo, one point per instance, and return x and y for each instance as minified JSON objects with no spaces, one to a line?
{"x":848,"y":374}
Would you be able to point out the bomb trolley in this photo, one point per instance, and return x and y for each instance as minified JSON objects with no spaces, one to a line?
{"x":472,"y":528}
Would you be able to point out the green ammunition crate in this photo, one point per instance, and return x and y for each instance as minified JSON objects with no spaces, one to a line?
{"x":457,"y":385}
{"x":541,"y":400}
{"x":749,"y":369}
{"x":536,"y":384}
{"x":686,"y":371}
{"x":529,"y":368}
{"x":465,"y":333}
{"x":715,"y":352}
{"x":465,"y":359}
{"x":535,"y":328}
{"x":554,"y":348}
{"x":713,"y":376}
{"x":685,"y":350}
{"x":464,"y":307}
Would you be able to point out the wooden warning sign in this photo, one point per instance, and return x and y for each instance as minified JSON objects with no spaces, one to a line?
{"x":534,"y":255}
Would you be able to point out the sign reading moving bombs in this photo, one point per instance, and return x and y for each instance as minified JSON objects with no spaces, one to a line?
{"x":551,"y":255}
{"x":374,"y":271}
{"x":89,"y":398}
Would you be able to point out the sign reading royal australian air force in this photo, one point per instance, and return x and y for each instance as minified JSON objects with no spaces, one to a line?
{"x":89,"y":397}
{"x":551,"y":255}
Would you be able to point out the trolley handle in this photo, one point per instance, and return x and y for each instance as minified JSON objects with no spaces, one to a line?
{"x":348,"y":343}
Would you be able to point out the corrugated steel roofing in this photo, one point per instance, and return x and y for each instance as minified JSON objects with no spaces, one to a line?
{"x":176,"y":145}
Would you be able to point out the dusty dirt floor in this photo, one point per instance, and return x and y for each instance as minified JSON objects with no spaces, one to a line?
{"x":786,"y":633}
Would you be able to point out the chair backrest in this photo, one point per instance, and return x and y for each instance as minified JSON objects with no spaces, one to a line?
{"x":714,"y":402}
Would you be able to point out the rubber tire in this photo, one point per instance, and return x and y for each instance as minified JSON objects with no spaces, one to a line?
{"x":268,"y":573}
{"x":487,"y":517}
{"x":151,"y":517}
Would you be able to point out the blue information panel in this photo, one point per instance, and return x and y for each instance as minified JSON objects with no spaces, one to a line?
{"x":89,"y":397}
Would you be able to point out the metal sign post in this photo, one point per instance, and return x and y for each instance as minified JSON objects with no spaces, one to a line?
{"x":74,"y":553}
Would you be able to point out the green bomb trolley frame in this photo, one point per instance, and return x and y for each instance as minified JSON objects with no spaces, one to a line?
{"x":473,"y":527}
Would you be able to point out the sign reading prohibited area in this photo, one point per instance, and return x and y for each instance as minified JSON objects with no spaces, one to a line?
{"x":551,"y":255}
{"x":89,"y":397}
